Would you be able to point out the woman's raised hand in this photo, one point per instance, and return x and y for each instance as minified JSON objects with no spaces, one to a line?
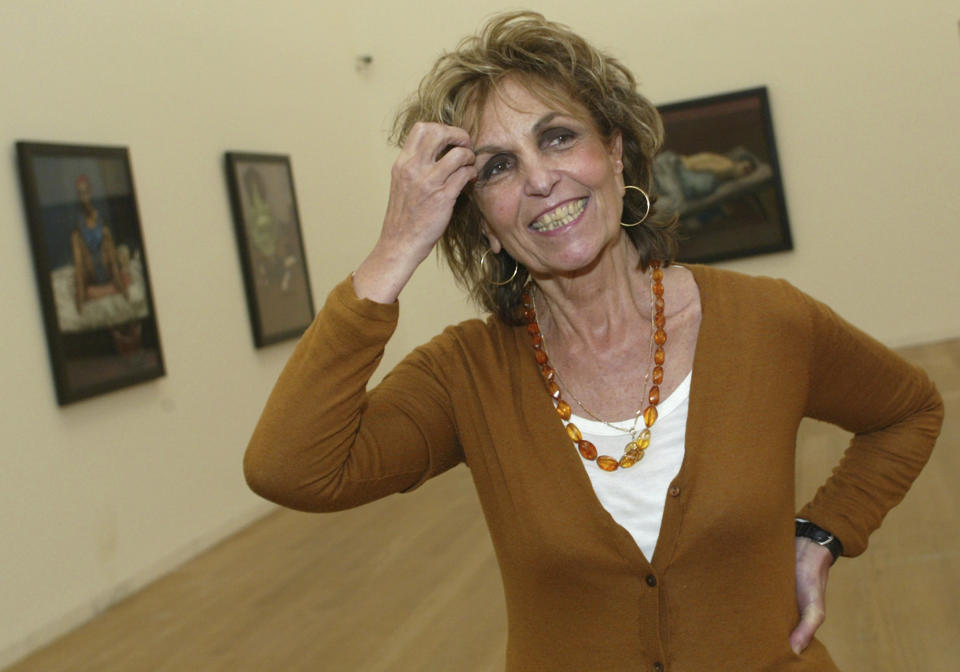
{"x":434,"y":166}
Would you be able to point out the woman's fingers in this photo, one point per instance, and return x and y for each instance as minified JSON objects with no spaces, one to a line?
{"x":428,"y":144}
{"x":433,"y":167}
{"x":811,"y":618}
{"x":457,"y":163}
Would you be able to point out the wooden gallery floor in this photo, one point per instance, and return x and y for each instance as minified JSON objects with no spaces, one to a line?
{"x":410,"y":583}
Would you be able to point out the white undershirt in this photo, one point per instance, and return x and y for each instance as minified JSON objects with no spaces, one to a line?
{"x":636,"y":497}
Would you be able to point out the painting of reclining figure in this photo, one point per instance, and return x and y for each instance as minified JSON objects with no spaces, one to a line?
{"x":718,"y":173}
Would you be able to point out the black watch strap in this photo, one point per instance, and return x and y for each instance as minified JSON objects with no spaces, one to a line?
{"x":820,"y":536}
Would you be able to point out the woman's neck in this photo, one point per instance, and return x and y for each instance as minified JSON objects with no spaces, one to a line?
{"x":593,"y":308}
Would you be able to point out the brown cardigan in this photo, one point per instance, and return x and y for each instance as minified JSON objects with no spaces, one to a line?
{"x":720,"y":592}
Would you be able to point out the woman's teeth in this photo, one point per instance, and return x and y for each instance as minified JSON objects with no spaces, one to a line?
{"x":560,"y":217}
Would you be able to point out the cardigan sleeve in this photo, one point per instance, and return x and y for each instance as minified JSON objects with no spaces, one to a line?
{"x":323,"y":443}
{"x":894,"y":412}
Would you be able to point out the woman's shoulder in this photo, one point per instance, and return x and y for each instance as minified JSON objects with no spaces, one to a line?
{"x":754,"y":303}
{"x":474,"y":345}
{"x":489,"y":333}
{"x":724,"y":285}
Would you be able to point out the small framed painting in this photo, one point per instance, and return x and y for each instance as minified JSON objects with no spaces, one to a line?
{"x":270,"y":241}
{"x":718,"y":172}
{"x":91,"y":267}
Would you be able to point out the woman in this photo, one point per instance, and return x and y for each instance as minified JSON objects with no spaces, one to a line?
{"x":97,"y":265}
{"x":656,"y":529}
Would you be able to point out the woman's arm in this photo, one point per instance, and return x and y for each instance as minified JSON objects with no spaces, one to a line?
{"x":892,"y":408}
{"x":322,"y":442}
{"x":895,"y":413}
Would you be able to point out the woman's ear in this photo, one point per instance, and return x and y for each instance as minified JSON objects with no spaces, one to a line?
{"x":492,"y":239}
{"x":616,"y":151}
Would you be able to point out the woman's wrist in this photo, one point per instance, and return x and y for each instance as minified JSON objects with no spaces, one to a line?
{"x":383,"y":275}
{"x":806,"y":530}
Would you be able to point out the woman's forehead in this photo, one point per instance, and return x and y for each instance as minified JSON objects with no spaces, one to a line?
{"x":519,"y":97}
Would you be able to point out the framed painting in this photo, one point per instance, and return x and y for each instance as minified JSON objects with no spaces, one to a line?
{"x":91,"y":267}
{"x":718,"y":172}
{"x":270,"y":242}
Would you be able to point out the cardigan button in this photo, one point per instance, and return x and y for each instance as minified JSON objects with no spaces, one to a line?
{"x":658,"y":667}
{"x":675,"y":491}
{"x":651,"y":580}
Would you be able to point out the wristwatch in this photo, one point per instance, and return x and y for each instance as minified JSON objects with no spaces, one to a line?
{"x":820,"y":536}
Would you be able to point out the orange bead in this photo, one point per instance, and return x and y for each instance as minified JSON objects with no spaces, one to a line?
{"x":574,"y":433}
{"x":607,"y":463}
{"x":525,"y":299}
{"x":547,"y":372}
{"x":654,"y":396}
{"x":529,"y":314}
{"x":657,"y":375}
{"x":554,"y":389}
{"x":533,"y":328}
{"x":537,"y":340}
{"x":587,"y":449}
{"x":627,"y":461}
{"x":541,"y":357}
{"x":659,"y":356}
{"x":563,"y":409}
{"x":659,"y":303}
{"x":643,"y":441}
{"x":658,"y":289}
{"x":660,"y":320}
{"x":657,"y":275}
{"x":660,"y":337}
{"x":650,"y":415}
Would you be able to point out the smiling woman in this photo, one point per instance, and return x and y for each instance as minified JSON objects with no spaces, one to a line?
{"x":550,"y":188}
{"x":637,"y":478}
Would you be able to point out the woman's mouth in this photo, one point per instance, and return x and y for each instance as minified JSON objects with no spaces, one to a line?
{"x":558,"y":217}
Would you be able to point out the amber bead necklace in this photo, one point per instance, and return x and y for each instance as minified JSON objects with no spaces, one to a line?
{"x":639,"y":441}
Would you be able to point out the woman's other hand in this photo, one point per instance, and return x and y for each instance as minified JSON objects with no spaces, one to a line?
{"x":434,"y":165}
{"x":813,"y":567}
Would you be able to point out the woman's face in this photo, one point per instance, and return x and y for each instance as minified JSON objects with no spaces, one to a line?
{"x":550,"y":188}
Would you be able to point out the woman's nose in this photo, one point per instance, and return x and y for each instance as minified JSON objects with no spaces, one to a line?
{"x":540,"y":178}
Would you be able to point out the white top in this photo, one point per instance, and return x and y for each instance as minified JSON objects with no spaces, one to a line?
{"x":635,"y":497}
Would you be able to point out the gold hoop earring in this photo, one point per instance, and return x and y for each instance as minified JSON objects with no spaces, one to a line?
{"x":646,"y":212}
{"x":483,"y":260}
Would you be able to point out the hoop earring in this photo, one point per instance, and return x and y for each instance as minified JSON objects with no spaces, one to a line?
{"x":646,"y":212}
{"x":483,"y":259}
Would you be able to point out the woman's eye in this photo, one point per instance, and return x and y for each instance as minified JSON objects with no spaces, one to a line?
{"x":495,"y":166}
{"x":558,"y":137}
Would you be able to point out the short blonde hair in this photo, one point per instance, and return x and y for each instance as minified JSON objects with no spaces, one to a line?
{"x":558,"y":66}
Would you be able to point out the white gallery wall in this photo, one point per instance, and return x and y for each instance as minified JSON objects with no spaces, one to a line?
{"x":101,"y":496}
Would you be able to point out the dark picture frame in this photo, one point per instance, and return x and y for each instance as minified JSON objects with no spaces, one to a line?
{"x":91,"y":267}
{"x":270,"y":241}
{"x":719,"y":173}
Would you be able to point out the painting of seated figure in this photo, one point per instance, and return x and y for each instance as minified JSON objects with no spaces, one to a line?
{"x":91,"y":267}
